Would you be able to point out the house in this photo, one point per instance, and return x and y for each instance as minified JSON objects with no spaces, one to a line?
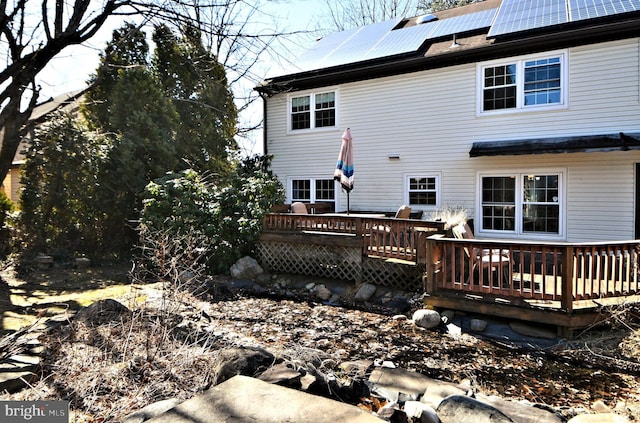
{"x":68,"y":102}
{"x":525,"y":113}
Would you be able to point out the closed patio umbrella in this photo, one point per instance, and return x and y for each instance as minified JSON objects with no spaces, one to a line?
{"x":344,"y":168}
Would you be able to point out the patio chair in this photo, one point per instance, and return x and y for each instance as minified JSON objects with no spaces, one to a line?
{"x":494,"y":260}
{"x":299,"y":208}
{"x":404,"y":212}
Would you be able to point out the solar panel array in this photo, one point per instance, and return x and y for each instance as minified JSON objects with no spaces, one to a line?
{"x":387,"y":39}
{"x":382,"y":40}
{"x":583,"y":9}
{"x":524,"y":15}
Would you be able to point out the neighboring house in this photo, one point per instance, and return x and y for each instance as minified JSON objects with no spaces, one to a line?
{"x":68,"y":102}
{"x":525,"y":113}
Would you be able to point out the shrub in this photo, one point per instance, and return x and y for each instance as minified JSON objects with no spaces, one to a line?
{"x":6,"y":207}
{"x":223,"y":221}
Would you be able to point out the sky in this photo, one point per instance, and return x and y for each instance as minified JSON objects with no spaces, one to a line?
{"x":70,"y":70}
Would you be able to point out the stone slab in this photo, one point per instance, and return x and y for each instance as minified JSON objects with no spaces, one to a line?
{"x":245,"y":399}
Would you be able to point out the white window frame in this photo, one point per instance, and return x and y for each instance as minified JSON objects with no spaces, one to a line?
{"x":438,"y":190}
{"x":313,"y":180}
{"x":520,"y":61}
{"x":518,"y":231}
{"x":312,"y":97}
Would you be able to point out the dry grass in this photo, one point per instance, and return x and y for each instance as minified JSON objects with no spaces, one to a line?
{"x":113,"y":367}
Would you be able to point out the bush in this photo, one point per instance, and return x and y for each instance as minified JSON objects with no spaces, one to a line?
{"x":6,"y":207}
{"x":222,"y":221}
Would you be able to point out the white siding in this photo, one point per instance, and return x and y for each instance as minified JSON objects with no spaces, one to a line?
{"x":429,"y":119}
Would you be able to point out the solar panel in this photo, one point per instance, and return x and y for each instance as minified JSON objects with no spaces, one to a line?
{"x":589,"y":9}
{"x":321,"y":49}
{"x":399,"y":41}
{"x":523,"y":15}
{"x":463,"y":23}
{"x":356,"y":46}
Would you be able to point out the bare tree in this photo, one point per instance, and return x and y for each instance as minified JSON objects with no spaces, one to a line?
{"x":243,"y":36}
{"x":31,"y":34}
{"x":355,"y":13}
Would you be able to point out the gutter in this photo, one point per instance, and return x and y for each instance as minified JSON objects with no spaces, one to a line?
{"x":564,"y":36}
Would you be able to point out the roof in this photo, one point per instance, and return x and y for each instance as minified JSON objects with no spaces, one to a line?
{"x":479,"y":31}
{"x":68,"y":102}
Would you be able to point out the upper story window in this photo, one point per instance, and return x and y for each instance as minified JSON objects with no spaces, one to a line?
{"x":314,"y":110}
{"x":422,"y":191}
{"x":524,"y":83}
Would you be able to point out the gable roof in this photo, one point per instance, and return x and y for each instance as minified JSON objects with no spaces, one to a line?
{"x":479,"y":31}
{"x":68,"y":102}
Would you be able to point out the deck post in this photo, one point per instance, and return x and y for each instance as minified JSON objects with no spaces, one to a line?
{"x":566,"y":301}
{"x":432,"y":261}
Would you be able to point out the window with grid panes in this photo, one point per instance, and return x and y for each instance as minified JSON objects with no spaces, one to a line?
{"x":523,"y":83}
{"x":423,"y":191}
{"x":315,"y":110}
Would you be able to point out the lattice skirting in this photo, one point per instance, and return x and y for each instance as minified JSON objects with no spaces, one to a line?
{"x":392,"y":274}
{"x":338,"y":262}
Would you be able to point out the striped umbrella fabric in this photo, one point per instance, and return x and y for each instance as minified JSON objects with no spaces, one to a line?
{"x":344,"y":168}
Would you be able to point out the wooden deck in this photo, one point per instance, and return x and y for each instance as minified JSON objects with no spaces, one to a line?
{"x":563,"y":284}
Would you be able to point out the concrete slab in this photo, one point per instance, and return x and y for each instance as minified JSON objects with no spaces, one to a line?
{"x":245,"y":399}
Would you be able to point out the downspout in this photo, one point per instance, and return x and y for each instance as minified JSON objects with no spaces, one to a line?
{"x":264,"y":122}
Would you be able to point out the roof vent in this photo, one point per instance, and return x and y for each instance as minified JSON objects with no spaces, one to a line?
{"x":425,"y":18}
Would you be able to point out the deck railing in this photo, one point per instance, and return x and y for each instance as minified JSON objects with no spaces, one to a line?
{"x":403,"y":239}
{"x":518,"y":271}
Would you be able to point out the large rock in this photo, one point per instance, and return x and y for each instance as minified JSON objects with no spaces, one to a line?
{"x":394,"y":384}
{"x":365,"y":292}
{"x":244,"y":399}
{"x":240,"y":361}
{"x":102,"y":311}
{"x":421,"y":411}
{"x":428,"y":319}
{"x":520,"y":412}
{"x":151,"y":411}
{"x":463,"y":409}
{"x":246,"y":268}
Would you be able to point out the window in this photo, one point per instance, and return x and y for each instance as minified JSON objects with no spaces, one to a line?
{"x":523,"y":84}
{"x":316,"y":110}
{"x":422,"y":191}
{"x":522,"y":204}
{"x":311,"y":190}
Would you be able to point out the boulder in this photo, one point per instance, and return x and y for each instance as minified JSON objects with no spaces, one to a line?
{"x":478,"y":325}
{"x":244,"y":399}
{"x":246,"y":268}
{"x":519,"y":411}
{"x":420,"y":411}
{"x":365,"y":292}
{"x":151,"y":411}
{"x":322,"y":292}
{"x":463,"y":409}
{"x":281,"y":374}
{"x":428,"y":319}
{"x":102,"y":311}
{"x":247,"y":361}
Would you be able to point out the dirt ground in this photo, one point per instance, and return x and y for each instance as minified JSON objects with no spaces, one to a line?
{"x":166,"y":350}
